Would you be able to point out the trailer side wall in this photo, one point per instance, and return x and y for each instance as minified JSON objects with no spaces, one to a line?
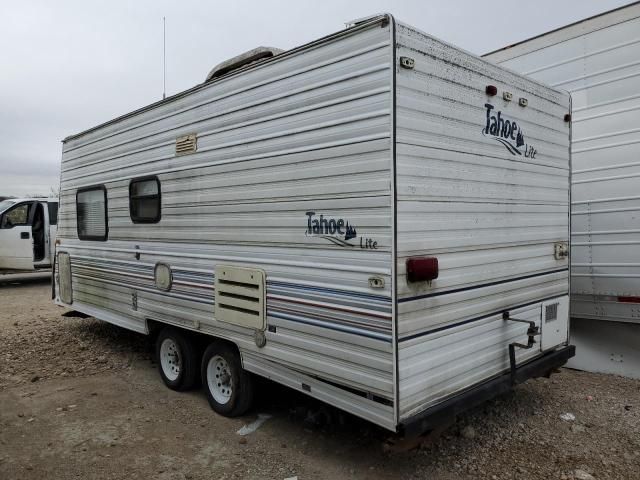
{"x":303,"y":137}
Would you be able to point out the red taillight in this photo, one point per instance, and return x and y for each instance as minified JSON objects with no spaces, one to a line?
{"x":629,"y":299}
{"x":422,"y":269}
{"x":491,"y":90}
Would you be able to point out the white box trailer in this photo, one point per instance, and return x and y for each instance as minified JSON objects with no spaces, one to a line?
{"x":27,"y":233}
{"x":598,"y":61}
{"x":356,"y":218}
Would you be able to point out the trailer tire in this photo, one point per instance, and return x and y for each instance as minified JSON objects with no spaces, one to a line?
{"x":177,"y":359}
{"x":228,"y":386}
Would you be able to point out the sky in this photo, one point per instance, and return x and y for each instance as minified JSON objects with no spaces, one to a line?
{"x":68,"y":65}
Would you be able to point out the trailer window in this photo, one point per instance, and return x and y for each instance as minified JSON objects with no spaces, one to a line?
{"x":144,"y":200}
{"x":4,"y":204}
{"x":91,"y":213}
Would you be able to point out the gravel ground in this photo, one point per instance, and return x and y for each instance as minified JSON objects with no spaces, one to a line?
{"x":82,"y":399}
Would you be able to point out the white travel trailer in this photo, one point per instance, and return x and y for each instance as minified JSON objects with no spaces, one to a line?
{"x":27,"y":233}
{"x":377,"y":219}
{"x":598,"y":61}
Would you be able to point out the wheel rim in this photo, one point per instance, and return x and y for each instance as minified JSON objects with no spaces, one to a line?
{"x":219,"y":379}
{"x":170,"y":359}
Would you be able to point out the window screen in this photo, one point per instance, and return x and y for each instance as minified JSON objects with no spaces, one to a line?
{"x":91,"y":211}
{"x":53,"y":212}
{"x":144,"y":200}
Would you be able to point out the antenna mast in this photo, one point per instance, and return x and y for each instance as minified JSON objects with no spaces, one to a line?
{"x":164,"y":59}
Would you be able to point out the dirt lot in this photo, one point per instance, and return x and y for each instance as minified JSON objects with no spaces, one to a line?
{"x":82,"y":399}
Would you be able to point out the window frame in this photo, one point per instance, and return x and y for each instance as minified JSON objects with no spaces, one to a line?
{"x":136,"y":218}
{"x":97,"y":238}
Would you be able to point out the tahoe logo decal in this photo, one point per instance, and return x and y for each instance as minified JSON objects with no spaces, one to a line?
{"x":337,"y":231}
{"x":507,"y":132}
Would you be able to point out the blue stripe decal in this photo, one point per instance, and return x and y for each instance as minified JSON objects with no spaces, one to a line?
{"x":107,"y":265}
{"x":367,"y":324}
{"x":473,"y":287}
{"x":330,"y":326}
{"x":330,"y":290}
{"x":476,"y":319}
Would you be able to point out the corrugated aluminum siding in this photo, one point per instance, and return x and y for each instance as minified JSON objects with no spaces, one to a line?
{"x":307,"y":131}
{"x":489,"y":216}
{"x":598,"y":61}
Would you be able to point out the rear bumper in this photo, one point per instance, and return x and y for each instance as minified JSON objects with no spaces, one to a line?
{"x":441,"y":413}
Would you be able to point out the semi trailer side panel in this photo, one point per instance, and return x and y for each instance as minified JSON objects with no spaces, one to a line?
{"x":597,"y":61}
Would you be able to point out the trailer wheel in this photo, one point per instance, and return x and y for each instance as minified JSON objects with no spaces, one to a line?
{"x":228,"y":386}
{"x":177,"y":358}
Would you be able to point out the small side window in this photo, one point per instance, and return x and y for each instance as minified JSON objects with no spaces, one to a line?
{"x":17,"y":216}
{"x":91,"y":213}
{"x":144,"y":200}
{"x":53,"y":212}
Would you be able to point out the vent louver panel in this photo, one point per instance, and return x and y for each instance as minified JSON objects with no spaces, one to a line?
{"x":240,"y":296}
{"x":186,"y":144}
{"x":551,"y":312}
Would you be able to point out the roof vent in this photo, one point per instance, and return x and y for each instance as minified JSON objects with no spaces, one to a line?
{"x":360,"y":20}
{"x":242,"y":60}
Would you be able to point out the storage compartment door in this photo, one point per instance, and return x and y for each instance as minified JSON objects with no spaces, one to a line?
{"x":555,"y":322}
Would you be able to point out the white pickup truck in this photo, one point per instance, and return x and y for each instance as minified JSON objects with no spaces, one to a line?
{"x":27,"y":233}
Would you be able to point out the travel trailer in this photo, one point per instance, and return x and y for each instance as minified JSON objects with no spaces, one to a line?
{"x":597,"y":60}
{"x":27,"y":233}
{"x":377,"y":219}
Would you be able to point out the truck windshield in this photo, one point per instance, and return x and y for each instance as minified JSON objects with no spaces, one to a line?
{"x":4,"y":204}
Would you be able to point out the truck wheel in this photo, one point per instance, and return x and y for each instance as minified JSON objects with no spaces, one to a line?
{"x":229,"y":387}
{"x":177,"y":357}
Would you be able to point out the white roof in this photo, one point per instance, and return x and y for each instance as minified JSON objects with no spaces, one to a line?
{"x":28,"y":199}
